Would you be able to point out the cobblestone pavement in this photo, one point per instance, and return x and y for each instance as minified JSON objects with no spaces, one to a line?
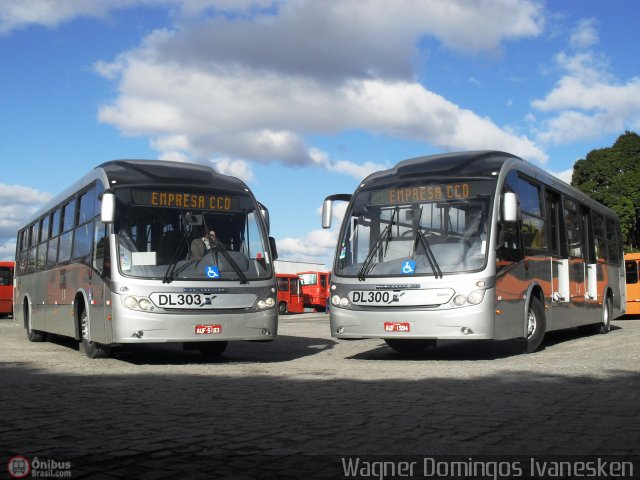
{"x":268,"y":410}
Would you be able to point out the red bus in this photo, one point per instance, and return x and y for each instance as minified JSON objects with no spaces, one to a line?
{"x":6,"y":288}
{"x":289,"y":294}
{"x":315,"y":289}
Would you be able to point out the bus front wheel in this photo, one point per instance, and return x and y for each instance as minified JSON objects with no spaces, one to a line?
{"x":282,"y":308}
{"x":536,"y":325}
{"x":91,"y":349}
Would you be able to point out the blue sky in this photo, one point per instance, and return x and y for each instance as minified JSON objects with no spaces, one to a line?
{"x":304,"y":98}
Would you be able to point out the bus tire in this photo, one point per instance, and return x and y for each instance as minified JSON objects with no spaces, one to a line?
{"x":212,"y":349}
{"x":282,"y":308}
{"x":90,"y":349}
{"x":536,"y":325}
{"x":32,"y":335}
{"x":409,"y":345}
{"x":605,"y":324}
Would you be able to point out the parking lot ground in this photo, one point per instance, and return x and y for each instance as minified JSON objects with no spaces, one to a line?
{"x":295,"y":407}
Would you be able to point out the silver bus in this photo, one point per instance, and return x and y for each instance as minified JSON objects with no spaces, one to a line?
{"x":110,"y":261}
{"x":474,"y":245}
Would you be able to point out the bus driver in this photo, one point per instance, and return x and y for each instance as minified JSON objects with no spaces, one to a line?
{"x":200,"y":246}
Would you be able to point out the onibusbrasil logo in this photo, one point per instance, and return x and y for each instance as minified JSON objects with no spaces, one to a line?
{"x":20,"y":466}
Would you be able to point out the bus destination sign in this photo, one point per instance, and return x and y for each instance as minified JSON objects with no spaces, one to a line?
{"x":421,"y":194}
{"x":198,"y":201}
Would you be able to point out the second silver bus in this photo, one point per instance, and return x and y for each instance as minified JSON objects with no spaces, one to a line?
{"x":473,"y":245}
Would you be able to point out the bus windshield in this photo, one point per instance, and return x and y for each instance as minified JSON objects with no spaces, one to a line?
{"x":308,"y":278}
{"x":166,"y":235}
{"x":417,"y":229}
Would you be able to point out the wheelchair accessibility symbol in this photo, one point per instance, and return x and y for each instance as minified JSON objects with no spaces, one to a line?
{"x":408,"y":267}
{"x":211,"y":271}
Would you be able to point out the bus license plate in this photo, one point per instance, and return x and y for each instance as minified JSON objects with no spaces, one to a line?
{"x":208,"y":329}
{"x":397,"y":327}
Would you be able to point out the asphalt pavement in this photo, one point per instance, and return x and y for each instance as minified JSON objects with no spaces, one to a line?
{"x":299,"y":406}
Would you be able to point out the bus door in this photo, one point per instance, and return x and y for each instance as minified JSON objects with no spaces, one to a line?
{"x":559,"y":262}
{"x":576,"y":260}
{"x":99,"y":291}
{"x":297,"y":301}
{"x":591,"y":265}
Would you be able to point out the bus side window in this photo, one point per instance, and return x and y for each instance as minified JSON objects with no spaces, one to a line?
{"x":632,"y":271}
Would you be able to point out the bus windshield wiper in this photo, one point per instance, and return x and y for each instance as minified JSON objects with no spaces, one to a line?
{"x":422,"y":239}
{"x":171,"y":269}
{"x":383,"y":239}
{"x":217,"y":245}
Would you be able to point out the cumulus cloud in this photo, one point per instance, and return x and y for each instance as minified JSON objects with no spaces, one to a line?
{"x":18,"y":14}
{"x":7,"y":250}
{"x":587,"y":102}
{"x":251,"y":87}
{"x":564,"y":175}
{"x":263,"y":116}
{"x":585,"y":34}
{"x":235,"y":168}
{"x":17,"y":203}
{"x":317,"y":245}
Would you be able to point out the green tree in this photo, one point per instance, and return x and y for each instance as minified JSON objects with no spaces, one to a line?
{"x":612,"y":176}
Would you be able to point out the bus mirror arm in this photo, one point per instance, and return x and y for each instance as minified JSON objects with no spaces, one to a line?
{"x":265,"y":215}
{"x":108,"y":207}
{"x":500,"y":237}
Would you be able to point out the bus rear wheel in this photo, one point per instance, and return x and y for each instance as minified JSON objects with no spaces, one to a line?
{"x":32,"y":335}
{"x":91,"y":349}
{"x":605,"y":324}
{"x":536,"y":326}
{"x":409,"y":345}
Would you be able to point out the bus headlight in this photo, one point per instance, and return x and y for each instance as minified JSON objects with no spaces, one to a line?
{"x":145,"y":304}
{"x":459,"y":300}
{"x":267,"y":303}
{"x":131,"y":302}
{"x":475,"y":297}
{"x":338,"y":301}
{"x":138,"y":303}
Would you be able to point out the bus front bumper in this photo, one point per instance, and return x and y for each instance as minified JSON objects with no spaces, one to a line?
{"x":464,"y":323}
{"x":141,"y":327}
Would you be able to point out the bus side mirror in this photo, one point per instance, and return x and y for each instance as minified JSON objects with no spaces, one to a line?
{"x":108,"y":207}
{"x":509,"y":207}
{"x":327,"y":207}
{"x":327,"y":213}
{"x":274,"y":248}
